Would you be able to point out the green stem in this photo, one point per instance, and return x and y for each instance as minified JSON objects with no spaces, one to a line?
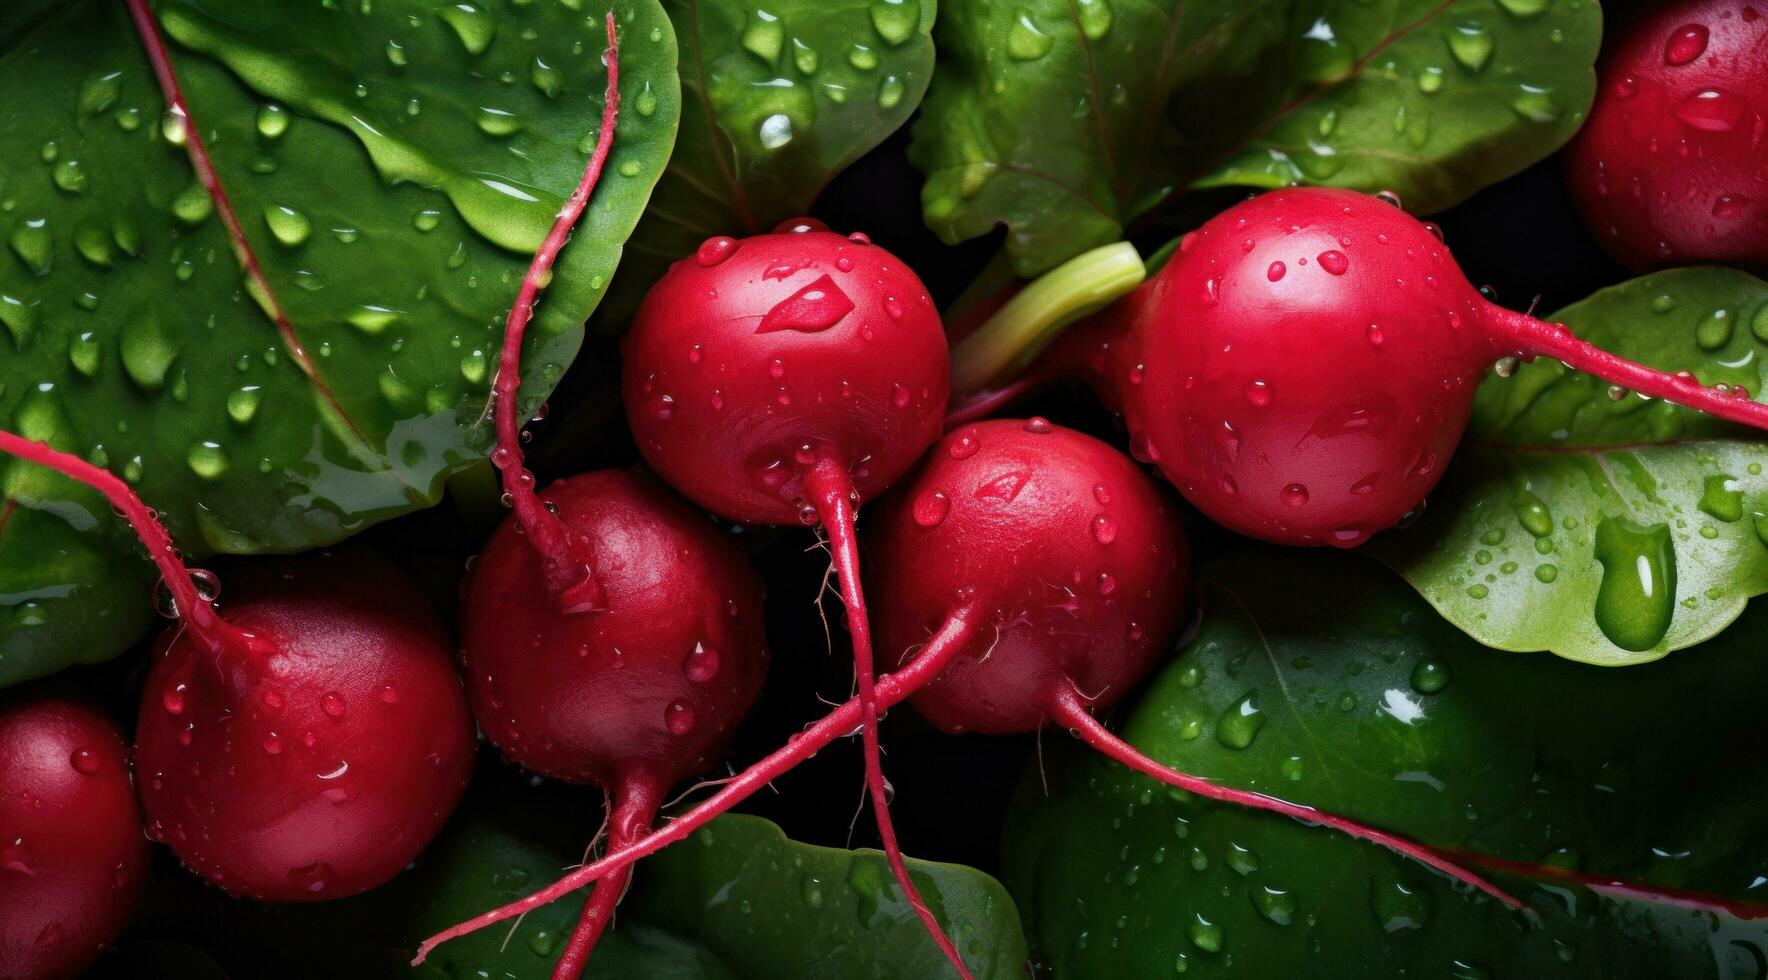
{"x":1007,"y":342}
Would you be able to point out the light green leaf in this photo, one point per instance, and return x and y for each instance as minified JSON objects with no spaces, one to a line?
{"x":1607,"y":530}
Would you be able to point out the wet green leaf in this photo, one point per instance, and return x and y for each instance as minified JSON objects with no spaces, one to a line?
{"x":1594,"y":523}
{"x":392,"y":165}
{"x":1377,"y":709}
{"x":777,"y":98}
{"x":737,"y":901}
{"x":1068,"y":120}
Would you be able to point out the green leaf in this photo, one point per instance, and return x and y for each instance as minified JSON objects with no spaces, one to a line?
{"x":1361,"y":702}
{"x":1068,"y":120}
{"x":737,"y":901}
{"x":778,"y":98}
{"x":393,"y":165}
{"x":1608,"y":531}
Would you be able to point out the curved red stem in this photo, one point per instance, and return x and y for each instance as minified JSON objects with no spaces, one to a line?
{"x":830,"y":489}
{"x":570,"y":575}
{"x":952,"y":637}
{"x":1530,"y":337}
{"x":1069,"y":708}
{"x":635,"y":808}
{"x":198,"y":615}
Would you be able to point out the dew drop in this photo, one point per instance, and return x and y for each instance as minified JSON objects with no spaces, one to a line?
{"x":679,"y":718}
{"x":930,"y":509}
{"x":1685,"y":44}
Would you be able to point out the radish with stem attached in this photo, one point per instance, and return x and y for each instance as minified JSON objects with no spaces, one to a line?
{"x":610,"y":634}
{"x":1023,"y":566}
{"x":1302,"y":368}
{"x":309,"y":744}
{"x":785,"y":378}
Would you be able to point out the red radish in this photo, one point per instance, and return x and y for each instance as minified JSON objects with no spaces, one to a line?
{"x":1027,"y":574}
{"x":636,"y":697}
{"x":610,"y":634}
{"x":309,"y":745}
{"x":72,"y":857}
{"x":788,"y":377}
{"x":1304,"y":366}
{"x":1671,"y":169}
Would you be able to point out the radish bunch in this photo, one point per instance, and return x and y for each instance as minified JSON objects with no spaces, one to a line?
{"x":309,"y":744}
{"x":1026,"y":574}
{"x":72,"y":857}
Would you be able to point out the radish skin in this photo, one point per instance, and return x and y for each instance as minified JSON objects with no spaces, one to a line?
{"x":72,"y":857}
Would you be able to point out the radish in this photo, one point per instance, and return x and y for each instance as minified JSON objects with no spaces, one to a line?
{"x":72,"y":857}
{"x":610,"y":634}
{"x":635,"y":697}
{"x":307,"y":746}
{"x":1028,"y":573}
{"x":1670,"y":168}
{"x":785,"y":378}
{"x":1303,"y":367}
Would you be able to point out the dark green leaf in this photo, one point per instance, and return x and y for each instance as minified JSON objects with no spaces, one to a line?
{"x":393,"y":165}
{"x":777,"y":98}
{"x":1362,"y":702}
{"x":1067,"y":120}
{"x":1563,"y":501}
{"x":737,"y":901}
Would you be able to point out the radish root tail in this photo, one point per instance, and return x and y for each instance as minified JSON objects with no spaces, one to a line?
{"x":830,"y":490}
{"x":635,"y":810}
{"x":956,"y":633}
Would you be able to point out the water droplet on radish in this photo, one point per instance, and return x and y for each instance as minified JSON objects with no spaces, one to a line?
{"x":715,"y":250}
{"x":963,"y":447}
{"x":800,"y":226}
{"x":1504,"y":367}
{"x":1276,"y":271}
{"x":702,"y":664}
{"x":1388,"y":197}
{"x":1334,"y":262}
{"x":1685,"y":44}
{"x":860,"y":238}
{"x":1107,"y":584}
{"x":311,"y":877}
{"x":1295,"y":495}
{"x":679,"y":718}
{"x":1258,"y":393}
{"x":272,"y":743}
{"x":1712,"y":110}
{"x":332,"y":703}
{"x":1375,"y":335}
{"x":1038,"y":425}
{"x":931,"y":508}
{"x":1104,"y":530}
{"x":84,"y":760}
{"x":814,"y":308}
{"x":893,"y":307}
{"x":1004,"y":488}
{"x":173,"y":699}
